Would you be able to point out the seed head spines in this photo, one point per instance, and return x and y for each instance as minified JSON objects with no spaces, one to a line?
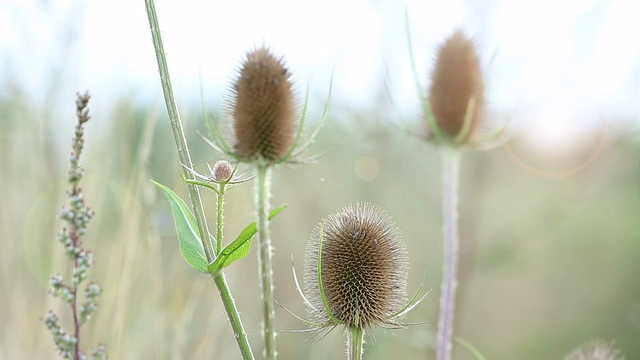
{"x":264,"y":108}
{"x":364,"y":267}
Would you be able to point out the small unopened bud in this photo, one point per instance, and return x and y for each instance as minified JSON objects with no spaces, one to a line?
{"x":222,"y":171}
{"x":457,"y":90}
{"x":264,"y":110}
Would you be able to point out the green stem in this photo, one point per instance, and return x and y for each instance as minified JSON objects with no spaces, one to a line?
{"x":185,"y":159}
{"x":234,"y":315}
{"x":451,"y":171}
{"x":176,"y":127}
{"x":264,"y":259}
{"x":355,"y":343}
{"x":220,"y":219}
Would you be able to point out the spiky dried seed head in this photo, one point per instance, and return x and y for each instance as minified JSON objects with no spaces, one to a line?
{"x":222,"y":171}
{"x":595,"y":350}
{"x":364,"y":267}
{"x":456,"y":79}
{"x":263,"y":109}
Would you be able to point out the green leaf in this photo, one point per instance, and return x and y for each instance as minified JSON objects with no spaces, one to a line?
{"x":239,"y":247}
{"x":187,"y":230}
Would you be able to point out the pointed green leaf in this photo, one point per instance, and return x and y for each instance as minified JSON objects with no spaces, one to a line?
{"x":187,"y":230}
{"x":239,"y":247}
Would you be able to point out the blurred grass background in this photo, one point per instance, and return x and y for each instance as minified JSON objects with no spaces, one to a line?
{"x":547,"y":262}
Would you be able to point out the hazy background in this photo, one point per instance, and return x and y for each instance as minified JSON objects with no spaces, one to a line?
{"x":550,"y":221}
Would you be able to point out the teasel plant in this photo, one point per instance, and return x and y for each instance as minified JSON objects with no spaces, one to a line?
{"x":77,"y":215}
{"x":203,"y":251}
{"x":595,"y":350}
{"x":355,"y":276}
{"x":453,"y":108}
{"x":267,"y":132}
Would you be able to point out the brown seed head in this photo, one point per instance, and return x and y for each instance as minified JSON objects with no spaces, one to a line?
{"x":456,"y":79}
{"x":595,"y":350}
{"x":264,"y":110}
{"x":364,"y":267}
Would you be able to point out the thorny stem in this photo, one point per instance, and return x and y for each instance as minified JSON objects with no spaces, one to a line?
{"x":185,"y":159}
{"x":223,"y":287}
{"x":220,"y":218}
{"x":176,"y":127}
{"x":264,"y":260}
{"x":234,"y":315}
{"x":451,"y":170}
{"x":355,"y":343}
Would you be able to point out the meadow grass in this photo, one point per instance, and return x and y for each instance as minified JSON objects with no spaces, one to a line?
{"x":547,"y":263}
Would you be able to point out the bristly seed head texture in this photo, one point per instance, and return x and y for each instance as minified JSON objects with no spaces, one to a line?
{"x":364,"y":267}
{"x":263,"y":108}
{"x":595,"y":350}
{"x":456,"y":79}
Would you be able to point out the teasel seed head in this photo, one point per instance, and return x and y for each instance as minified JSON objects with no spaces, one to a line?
{"x":263,"y":108}
{"x":595,"y":350}
{"x":457,"y":90}
{"x":364,"y":268}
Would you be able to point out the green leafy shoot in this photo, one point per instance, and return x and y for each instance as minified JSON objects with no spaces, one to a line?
{"x":191,"y":246}
{"x":238,"y":248}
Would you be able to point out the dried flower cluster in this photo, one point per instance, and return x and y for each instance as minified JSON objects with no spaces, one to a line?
{"x":77,"y":215}
{"x":457,"y":90}
{"x":263,"y":108}
{"x":364,"y":268}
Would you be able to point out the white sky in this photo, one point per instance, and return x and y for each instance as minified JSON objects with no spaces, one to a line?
{"x":558,"y":63}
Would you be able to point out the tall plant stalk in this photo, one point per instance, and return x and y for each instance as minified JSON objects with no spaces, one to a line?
{"x":263,"y":191}
{"x":185,"y":159}
{"x":453,"y":109}
{"x":451,"y":174}
{"x":77,"y":216}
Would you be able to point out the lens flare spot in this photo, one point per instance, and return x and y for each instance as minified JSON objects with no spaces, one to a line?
{"x":367,"y":168}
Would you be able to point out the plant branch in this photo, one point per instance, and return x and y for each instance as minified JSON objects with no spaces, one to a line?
{"x":185,"y":159}
{"x":451,"y":170}
{"x":176,"y":127}
{"x":234,"y":315}
{"x":264,"y":259}
{"x":220,"y":218}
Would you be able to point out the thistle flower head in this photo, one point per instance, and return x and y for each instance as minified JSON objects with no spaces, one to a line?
{"x":457,"y":91}
{"x":364,"y":268}
{"x":263,"y":108}
{"x":595,"y":350}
